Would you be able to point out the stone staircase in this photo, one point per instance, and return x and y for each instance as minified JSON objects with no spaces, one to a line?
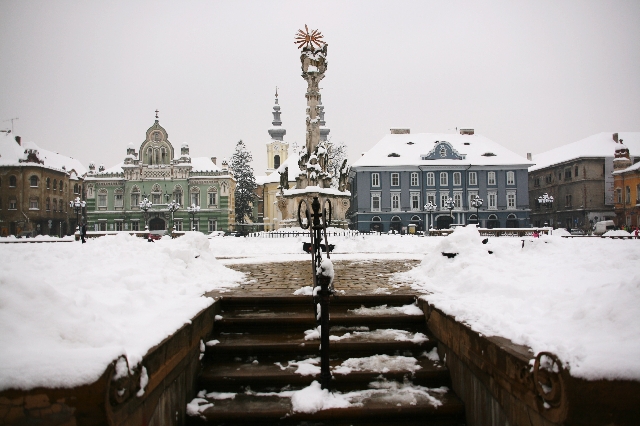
{"x":263,"y":352}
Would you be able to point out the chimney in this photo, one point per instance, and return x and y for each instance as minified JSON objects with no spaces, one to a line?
{"x":529,"y":157}
{"x":19,"y":140}
{"x":466,"y":131}
{"x":615,"y":137}
{"x":400,"y":131}
{"x":213,"y":160}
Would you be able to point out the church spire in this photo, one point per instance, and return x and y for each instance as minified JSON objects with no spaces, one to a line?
{"x":277,"y":132}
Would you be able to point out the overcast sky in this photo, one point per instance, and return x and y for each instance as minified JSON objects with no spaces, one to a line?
{"x":84,"y":77}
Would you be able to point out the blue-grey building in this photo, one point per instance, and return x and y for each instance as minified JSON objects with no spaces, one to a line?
{"x":394,"y":180}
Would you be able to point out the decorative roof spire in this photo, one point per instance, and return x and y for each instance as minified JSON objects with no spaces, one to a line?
{"x":277,"y":132}
{"x":157,"y":114}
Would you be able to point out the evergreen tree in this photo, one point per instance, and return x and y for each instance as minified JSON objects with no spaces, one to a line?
{"x":245,"y":183}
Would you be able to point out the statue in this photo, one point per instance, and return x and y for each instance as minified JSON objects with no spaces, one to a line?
{"x":284,"y":179}
{"x":344,"y":176}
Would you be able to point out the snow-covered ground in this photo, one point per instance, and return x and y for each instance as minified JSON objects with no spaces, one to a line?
{"x":67,"y":310}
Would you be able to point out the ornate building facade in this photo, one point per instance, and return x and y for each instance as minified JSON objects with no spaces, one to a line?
{"x":158,"y":174}
{"x":626,"y":184}
{"x":36,"y":186}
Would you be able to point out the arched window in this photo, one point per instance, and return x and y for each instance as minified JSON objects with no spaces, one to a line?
{"x":156,"y":194}
{"x":493,"y":222}
{"x":118,"y":198}
{"x":376,"y":225}
{"x":149,"y":155}
{"x":473,"y":219}
{"x":135,"y":197}
{"x":33,"y":181}
{"x":396,"y":224}
{"x":276,"y":161}
{"x":12,"y":182}
{"x":48,"y":184}
{"x":212,"y":194}
{"x":102,"y":198}
{"x":195,"y":196}
{"x":55,"y":204}
{"x":61,"y":185}
{"x":512,"y":221}
{"x":47,"y":205}
{"x":55,"y":184}
{"x":177,"y":194}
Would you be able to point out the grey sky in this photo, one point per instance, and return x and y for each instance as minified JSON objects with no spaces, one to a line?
{"x":84,"y":77}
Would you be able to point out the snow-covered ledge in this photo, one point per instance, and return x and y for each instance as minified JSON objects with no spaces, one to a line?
{"x":501,"y":383}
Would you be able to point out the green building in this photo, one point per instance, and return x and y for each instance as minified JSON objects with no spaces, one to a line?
{"x":154,"y":172}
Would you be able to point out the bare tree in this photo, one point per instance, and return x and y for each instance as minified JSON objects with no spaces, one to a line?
{"x":337,"y":154}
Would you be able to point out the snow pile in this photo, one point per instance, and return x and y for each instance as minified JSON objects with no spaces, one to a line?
{"x":617,"y":233}
{"x":306,"y":367}
{"x":577,"y":298}
{"x":68,"y":310}
{"x":313,"y":398}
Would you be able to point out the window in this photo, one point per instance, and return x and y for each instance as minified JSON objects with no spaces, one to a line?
{"x":135,"y":226}
{"x":619,"y":195}
{"x":76,"y":189}
{"x":375,"y":179}
{"x":414,"y":179}
{"x":118,"y":201}
{"x":213,"y":225}
{"x":48,"y":183}
{"x":12,"y":181}
{"x":375,"y":201}
{"x":457,"y":199}
{"x":195,"y":196}
{"x":444,"y":179}
{"x":444,"y":196}
{"x":177,"y":194}
{"x":567,"y":174}
{"x":431,"y":198}
{"x":55,"y":184}
{"x":155,"y":198}
{"x":492,"y":200}
{"x":276,"y":161}
{"x":33,"y":203}
{"x":567,"y":201}
{"x":102,"y":199}
{"x":511,"y":178}
{"x":33,"y":181}
{"x":473,"y":178}
{"x":415,"y":201}
{"x":195,"y":225}
{"x":431,"y":179}
{"x":395,"y":202}
{"x":47,"y":205}
{"x":177,"y":226}
{"x":213,"y":197}
{"x":638,"y":193}
{"x":511,"y":200}
{"x":102,"y":226}
{"x":135,"y":198}
{"x":395,"y":179}
{"x":536,"y":181}
{"x":119,"y":225}
{"x":471,"y":195}
{"x":491,"y":178}
{"x":61,"y":185}
{"x":547,"y":178}
{"x":13,"y":204}
{"x":627,"y":195}
{"x":457,"y":178}
{"x":575,"y":171}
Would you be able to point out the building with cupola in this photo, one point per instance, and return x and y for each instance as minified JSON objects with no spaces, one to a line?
{"x":393,"y":183}
{"x":160,"y":175}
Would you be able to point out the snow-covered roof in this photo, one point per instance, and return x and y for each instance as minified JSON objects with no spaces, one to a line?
{"x":203,"y":164}
{"x":631,"y":168}
{"x":598,"y":145}
{"x":410,"y":149}
{"x":11,"y":153}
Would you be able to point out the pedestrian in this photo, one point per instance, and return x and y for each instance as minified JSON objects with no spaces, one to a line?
{"x":636,"y":232}
{"x":83,"y":232}
{"x":536,"y":234}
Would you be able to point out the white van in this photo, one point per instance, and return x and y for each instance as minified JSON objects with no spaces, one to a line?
{"x":603,"y":226}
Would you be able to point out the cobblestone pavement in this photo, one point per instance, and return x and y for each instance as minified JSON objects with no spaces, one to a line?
{"x":353,"y":277}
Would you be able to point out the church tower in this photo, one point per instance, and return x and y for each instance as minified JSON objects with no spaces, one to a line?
{"x":277,"y":148}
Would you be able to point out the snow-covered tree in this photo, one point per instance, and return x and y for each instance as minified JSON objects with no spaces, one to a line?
{"x":337,"y":154}
{"x":245,"y":183}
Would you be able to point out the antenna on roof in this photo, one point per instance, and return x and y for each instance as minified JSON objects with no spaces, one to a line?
{"x":11,"y":120}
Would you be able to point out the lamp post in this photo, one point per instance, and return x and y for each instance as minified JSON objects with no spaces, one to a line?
{"x":477,"y":203}
{"x":145,"y":206}
{"x":77,"y":205}
{"x":430,"y":208}
{"x":546,"y":200}
{"x":192,"y":211}
{"x":173,"y":207}
{"x":449,"y":204}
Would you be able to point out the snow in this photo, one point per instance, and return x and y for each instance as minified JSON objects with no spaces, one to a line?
{"x":470,"y":146}
{"x":306,"y":367}
{"x":617,"y":233}
{"x":378,"y":364}
{"x":388,"y":310}
{"x":11,"y":153}
{"x":85,"y":305}
{"x":595,"y":146}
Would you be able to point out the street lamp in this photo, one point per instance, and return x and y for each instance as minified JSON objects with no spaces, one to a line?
{"x":192,"y":211}
{"x":449,"y":204}
{"x":145,"y":206}
{"x":173,"y":206}
{"x":477,"y":203}
{"x":430,"y":208}
{"x":77,"y":205}
{"x":546,"y":200}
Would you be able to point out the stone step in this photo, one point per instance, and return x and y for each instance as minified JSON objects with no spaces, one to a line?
{"x":263,"y":374}
{"x":438,"y":407}
{"x":380,"y":341}
{"x":273,"y":302}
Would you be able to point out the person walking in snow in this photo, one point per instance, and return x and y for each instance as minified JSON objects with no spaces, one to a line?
{"x":83,"y":232}
{"x":636,"y":232}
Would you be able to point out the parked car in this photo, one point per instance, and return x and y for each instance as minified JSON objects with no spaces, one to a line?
{"x":156,"y":235}
{"x":25,"y":234}
{"x":216,"y":234}
{"x":603,"y":226}
{"x":577,"y":232}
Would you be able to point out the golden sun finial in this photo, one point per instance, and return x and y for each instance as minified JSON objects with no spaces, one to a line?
{"x":308,"y":39}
